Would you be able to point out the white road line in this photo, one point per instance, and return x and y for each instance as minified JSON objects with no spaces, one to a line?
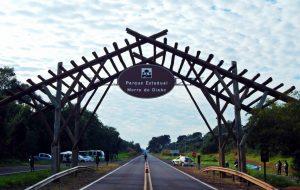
{"x":189,"y":175}
{"x":108,"y":174}
{"x":145,"y":178}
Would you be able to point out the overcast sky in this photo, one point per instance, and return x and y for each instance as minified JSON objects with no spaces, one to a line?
{"x":262,"y":36}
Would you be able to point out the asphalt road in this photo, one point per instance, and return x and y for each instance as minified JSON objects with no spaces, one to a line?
{"x":131,"y":176}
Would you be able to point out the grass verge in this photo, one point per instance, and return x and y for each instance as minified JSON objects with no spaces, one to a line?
{"x":275,"y":180}
{"x":23,"y":179}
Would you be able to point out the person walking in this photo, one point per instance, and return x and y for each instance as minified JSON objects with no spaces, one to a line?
{"x":31,"y":163}
{"x":145,"y":156}
{"x":97,"y":160}
{"x":286,"y":168}
{"x":226,"y":164}
{"x":68,"y":160}
{"x":106,"y":157}
{"x":236,"y":163}
{"x":279,"y":166}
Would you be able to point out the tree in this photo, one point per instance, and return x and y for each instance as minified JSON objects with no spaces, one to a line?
{"x":278,"y":127}
{"x":156,"y":144}
{"x":21,"y":139}
{"x":8,"y":80}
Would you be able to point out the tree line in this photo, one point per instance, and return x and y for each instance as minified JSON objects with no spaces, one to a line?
{"x":22,"y":134}
{"x":276,"y":127}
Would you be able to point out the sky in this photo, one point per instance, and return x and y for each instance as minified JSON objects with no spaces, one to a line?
{"x":262,"y":36}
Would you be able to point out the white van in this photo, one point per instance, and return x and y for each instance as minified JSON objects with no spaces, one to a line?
{"x":94,"y":153}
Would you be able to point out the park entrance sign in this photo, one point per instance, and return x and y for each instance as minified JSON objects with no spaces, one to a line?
{"x":146,"y":81}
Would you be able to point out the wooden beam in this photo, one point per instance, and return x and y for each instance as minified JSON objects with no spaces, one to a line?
{"x":130,"y":52}
{"x":173,"y":56}
{"x":212,"y":73}
{"x":228,"y":84}
{"x":111,"y":60}
{"x":187,"y":48}
{"x":212,"y":67}
{"x":200,"y":112}
{"x":92,"y":68}
{"x":164,"y":55}
{"x":210,"y":57}
{"x":83,"y":129}
{"x":105,"y":70}
{"x":192,"y":65}
{"x":75,"y":70}
{"x":119,"y":55}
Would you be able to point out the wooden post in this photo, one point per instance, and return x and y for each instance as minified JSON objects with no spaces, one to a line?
{"x":238,"y":125}
{"x":220,"y":134}
{"x":55,"y":146}
{"x":75,"y":149}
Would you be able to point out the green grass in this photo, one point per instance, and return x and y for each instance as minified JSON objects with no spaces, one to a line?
{"x":42,"y":162}
{"x":15,"y":162}
{"x":126,"y":155}
{"x":12,"y":162}
{"x":23,"y":179}
{"x":275,"y":180}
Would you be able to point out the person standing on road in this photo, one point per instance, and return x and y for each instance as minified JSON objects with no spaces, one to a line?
{"x":97,"y":160}
{"x":286,"y":168}
{"x":145,"y":156}
{"x":31,"y":163}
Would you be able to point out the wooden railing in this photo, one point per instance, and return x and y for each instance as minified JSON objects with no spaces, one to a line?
{"x":242,"y":175}
{"x":57,"y":176}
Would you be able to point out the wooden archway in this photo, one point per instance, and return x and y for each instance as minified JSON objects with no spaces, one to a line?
{"x":75,"y":84}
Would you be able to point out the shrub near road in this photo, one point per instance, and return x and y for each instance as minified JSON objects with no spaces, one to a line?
{"x":20,"y":180}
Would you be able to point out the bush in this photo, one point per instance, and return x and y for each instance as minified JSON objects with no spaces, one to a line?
{"x":275,"y":180}
{"x":166,"y":152}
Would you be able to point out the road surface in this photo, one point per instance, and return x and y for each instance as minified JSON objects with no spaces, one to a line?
{"x":131,"y":176}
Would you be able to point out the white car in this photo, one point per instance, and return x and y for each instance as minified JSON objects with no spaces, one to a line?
{"x":183,"y":161}
{"x":88,"y":158}
{"x":82,"y":159}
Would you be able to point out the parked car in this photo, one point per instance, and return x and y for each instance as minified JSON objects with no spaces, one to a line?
{"x":43,"y":156}
{"x":183,"y":161}
{"x":88,"y":158}
{"x":66,"y":155}
{"x":93,"y":154}
{"x":82,"y":159}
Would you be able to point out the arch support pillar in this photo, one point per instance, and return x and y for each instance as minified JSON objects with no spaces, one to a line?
{"x":75,"y":148}
{"x":56,"y":101}
{"x":221,"y":148}
{"x":238,"y":126}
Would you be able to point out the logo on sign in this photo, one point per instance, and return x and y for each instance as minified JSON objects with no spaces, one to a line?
{"x":146,"y":73}
{"x":146,"y":81}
